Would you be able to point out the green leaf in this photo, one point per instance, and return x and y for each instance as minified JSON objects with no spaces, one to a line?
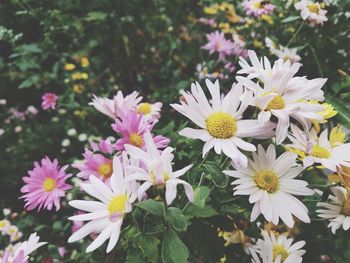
{"x":173,"y":249}
{"x":199,"y":212}
{"x":151,"y":206}
{"x":215,"y":173}
{"x":290,"y":19}
{"x":343,"y":112}
{"x":134,"y":256}
{"x":29,"y":82}
{"x":96,"y":16}
{"x":176,"y":219}
{"x":200,"y":196}
{"x":149,"y":248}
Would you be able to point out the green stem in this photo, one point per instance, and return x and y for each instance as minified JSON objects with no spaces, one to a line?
{"x":295,"y":34}
{"x":316,"y":60}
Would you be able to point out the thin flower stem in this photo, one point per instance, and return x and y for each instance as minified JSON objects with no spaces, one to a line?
{"x":295,"y":34}
{"x":316,"y":60}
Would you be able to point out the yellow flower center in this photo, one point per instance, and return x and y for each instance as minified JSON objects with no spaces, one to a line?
{"x":3,"y":223}
{"x":135,"y":139}
{"x":144,"y":108}
{"x":118,"y":204}
{"x":221,"y":125}
{"x":257,"y":5}
{"x":337,"y":136}
{"x":277,"y":103}
{"x":267,"y":180}
{"x":49,"y":184}
{"x":280,"y":250}
{"x":346,"y":207}
{"x":320,"y":152}
{"x":313,"y":8}
{"x":105,"y":170}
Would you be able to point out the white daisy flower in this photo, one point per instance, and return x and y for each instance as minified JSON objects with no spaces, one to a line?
{"x":277,"y":92}
{"x":150,"y":111}
{"x":277,"y":249}
{"x":283,"y":52}
{"x":318,"y":149}
{"x":337,"y":210}
{"x":311,"y":11}
{"x":271,"y":186}
{"x":105,"y":215}
{"x":156,"y":170}
{"x":220,"y":122}
{"x":119,"y":103}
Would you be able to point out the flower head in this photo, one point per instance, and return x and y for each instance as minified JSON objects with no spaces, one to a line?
{"x":337,"y":210}
{"x":156,"y":169}
{"x":49,"y":100}
{"x":119,"y":104}
{"x":45,"y":185}
{"x":275,"y":248}
{"x":278,"y":92}
{"x":94,"y":163}
{"x":258,"y":8}
{"x":151,"y":112}
{"x":105,"y":215}
{"x":132,"y":127}
{"x":218,"y":43}
{"x":282,"y":52}
{"x":311,"y":11}
{"x":271,"y":186}
{"x":331,"y":153}
{"x":220,"y":122}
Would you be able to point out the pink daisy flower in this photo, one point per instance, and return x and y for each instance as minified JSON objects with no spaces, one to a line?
{"x":258,"y":8}
{"x":45,"y":185}
{"x":49,"y":101}
{"x":95,"y":163}
{"x":218,"y":43}
{"x":132,"y":126}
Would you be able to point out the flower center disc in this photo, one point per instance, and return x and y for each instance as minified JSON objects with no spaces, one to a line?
{"x":279,"y":250}
{"x":320,"y":152}
{"x":135,"y":139}
{"x":49,"y":184}
{"x":346,"y":208}
{"x":117,"y":205}
{"x":313,"y":8}
{"x":221,"y":125}
{"x":267,"y":180}
{"x":144,"y":108}
{"x":105,"y":170}
{"x":277,"y":103}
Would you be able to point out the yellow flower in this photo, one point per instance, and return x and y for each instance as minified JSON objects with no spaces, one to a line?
{"x":237,"y":236}
{"x":343,"y":177}
{"x":225,"y":27}
{"x":267,"y":18}
{"x":257,"y":43}
{"x":337,"y":136}
{"x":223,"y":259}
{"x":211,"y":10}
{"x":79,"y":75}
{"x":78,"y":88}
{"x":69,"y":67}
{"x":226,"y":7}
{"x":328,"y":111}
{"x":290,"y":29}
{"x":80,"y":114}
{"x":84,"y":62}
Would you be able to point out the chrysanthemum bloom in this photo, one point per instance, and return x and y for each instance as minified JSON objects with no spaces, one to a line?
{"x":311,"y":11}
{"x":258,"y":8}
{"x":114,"y":107}
{"x":337,"y":210}
{"x":132,"y":126}
{"x":271,"y":186}
{"x":283,"y":52}
{"x":4,"y":225}
{"x":332,"y":153}
{"x":218,"y":43}
{"x":278,"y":92}
{"x":22,"y":250}
{"x":105,"y":215}
{"x":277,"y":249}
{"x":151,"y":112}
{"x":156,"y":169}
{"x":49,"y":100}
{"x":95,"y":163}
{"x":220,"y":122}
{"x":45,"y":185}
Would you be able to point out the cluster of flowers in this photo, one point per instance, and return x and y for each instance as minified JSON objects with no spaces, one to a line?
{"x":290,"y":110}
{"x":20,"y":251}
{"x":285,"y":103}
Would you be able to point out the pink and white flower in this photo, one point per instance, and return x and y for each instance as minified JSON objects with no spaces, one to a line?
{"x":258,"y":8}
{"x":151,"y":112}
{"x":156,"y":169}
{"x":218,"y":43}
{"x":45,"y":185}
{"x":132,"y":127}
{"x":311,"y":11}
{"x":220,"y":121}
{"x":49,"y":100}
